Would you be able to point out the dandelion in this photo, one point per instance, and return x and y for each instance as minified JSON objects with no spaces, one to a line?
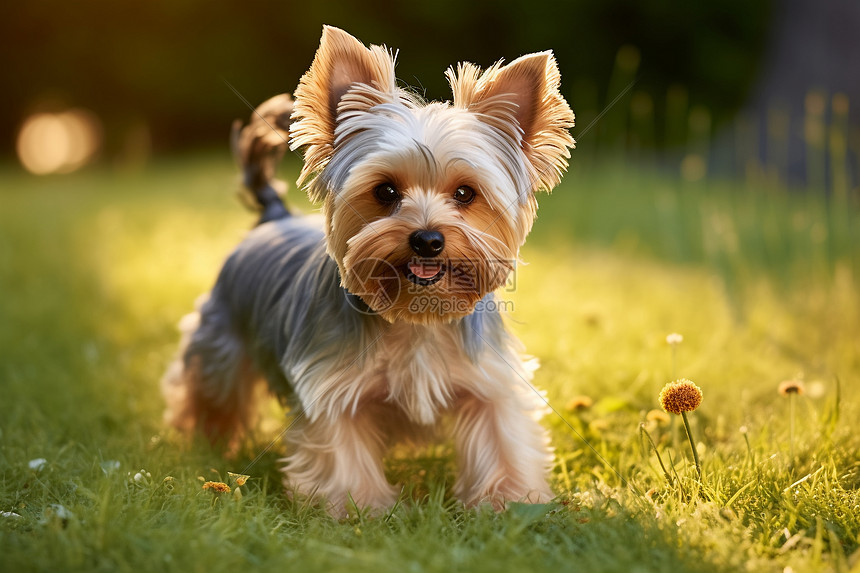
{"x":680,"y":397}
{"x":579,"y":403}
{"x":788,"y":387}
{"x":791,"y":388}
{"x":658,"y":417}
{"x":598,"y":426}
{"x":217,"y":486}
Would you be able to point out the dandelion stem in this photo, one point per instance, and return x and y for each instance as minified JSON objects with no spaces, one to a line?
{"x":692,"y":445}
{"x":674,"y":364}
{"x":791,"y":426}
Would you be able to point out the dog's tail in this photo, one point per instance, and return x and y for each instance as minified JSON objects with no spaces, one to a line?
{"x":258,"y":147}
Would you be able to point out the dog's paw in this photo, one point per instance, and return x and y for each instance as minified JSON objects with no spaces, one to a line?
{"x":348,"y":505}
{"x":499,"y":499}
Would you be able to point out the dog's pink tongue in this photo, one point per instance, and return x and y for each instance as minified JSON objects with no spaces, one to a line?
{"x":424,"y":271}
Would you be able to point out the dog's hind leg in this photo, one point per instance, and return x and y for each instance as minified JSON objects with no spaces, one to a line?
{"x":210,"y":386}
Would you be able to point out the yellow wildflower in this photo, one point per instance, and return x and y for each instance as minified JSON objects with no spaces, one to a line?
{"x":680,"y":396}
{"x":217,"y":486}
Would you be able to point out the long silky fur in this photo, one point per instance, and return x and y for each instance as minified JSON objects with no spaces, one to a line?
{"x":363,"y":370}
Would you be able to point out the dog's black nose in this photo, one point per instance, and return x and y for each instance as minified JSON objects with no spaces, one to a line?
{"x":427,"y":243}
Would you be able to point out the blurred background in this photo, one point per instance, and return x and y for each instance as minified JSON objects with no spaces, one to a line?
{"x":735,"y":87}
{"x":724,"y":133}
{"x":720,"y":133}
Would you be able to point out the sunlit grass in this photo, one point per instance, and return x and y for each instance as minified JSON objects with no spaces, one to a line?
{"x":97,"y":268}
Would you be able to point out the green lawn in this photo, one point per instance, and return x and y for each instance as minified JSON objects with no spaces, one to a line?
{"x":96,"y":269}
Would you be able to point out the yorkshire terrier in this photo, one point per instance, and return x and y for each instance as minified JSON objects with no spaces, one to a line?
{"x":378,"y":319}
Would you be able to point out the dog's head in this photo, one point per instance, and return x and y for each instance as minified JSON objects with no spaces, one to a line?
{"x":427,"y":204}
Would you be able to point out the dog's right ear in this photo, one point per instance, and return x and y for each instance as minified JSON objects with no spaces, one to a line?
{"x":344,"y":77}
{"x":522,"y":100}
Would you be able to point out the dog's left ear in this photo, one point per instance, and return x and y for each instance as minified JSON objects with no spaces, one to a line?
{"x":344,"y":77}
{"x":523,"y":101}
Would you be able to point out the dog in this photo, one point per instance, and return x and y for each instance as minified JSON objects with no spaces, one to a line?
{"x":377,"y":320}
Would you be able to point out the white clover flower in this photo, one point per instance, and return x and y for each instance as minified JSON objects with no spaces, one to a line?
{"x":38,"y":464}
{"x":674,"y":339}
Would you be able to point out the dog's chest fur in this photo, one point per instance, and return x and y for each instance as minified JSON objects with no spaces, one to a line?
{"x":423,"y":368}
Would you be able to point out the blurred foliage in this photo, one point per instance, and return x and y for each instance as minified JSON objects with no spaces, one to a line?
{"x":161,"y":64}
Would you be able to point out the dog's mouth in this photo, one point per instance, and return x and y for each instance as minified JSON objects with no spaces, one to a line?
{"x":425,"y":273}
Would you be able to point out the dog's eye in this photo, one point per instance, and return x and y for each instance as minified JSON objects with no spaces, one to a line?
{"x":464,"y":194}
{"x":386,"y":193}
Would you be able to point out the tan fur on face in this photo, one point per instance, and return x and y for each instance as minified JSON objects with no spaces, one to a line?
{"x":480,"y":251}
{"x":505,"y":136}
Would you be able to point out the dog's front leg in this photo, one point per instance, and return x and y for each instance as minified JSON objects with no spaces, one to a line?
{"x":341,"y":458}
{"x":503,"y":451}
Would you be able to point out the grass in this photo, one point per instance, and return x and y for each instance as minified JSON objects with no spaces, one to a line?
{"x":96,"y":268}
